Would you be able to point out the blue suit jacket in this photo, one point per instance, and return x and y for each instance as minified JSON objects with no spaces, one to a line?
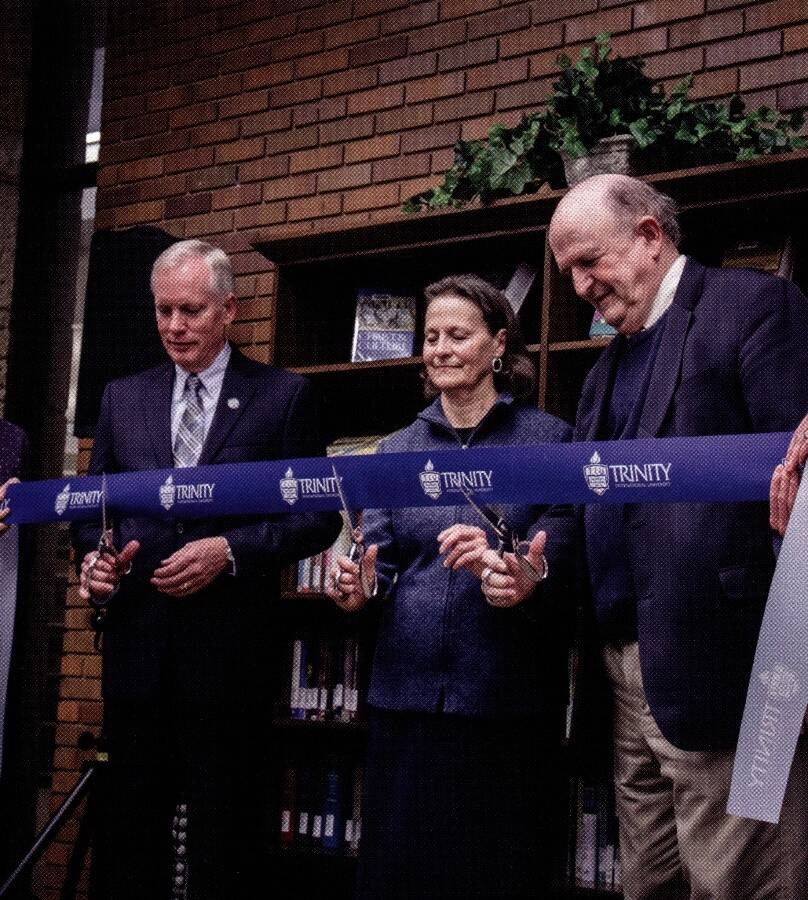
{"x":13,"y":448}
{"x":733,"y":359}
{"x":212,"y":645}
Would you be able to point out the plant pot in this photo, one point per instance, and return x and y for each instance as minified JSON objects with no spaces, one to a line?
{"x":609,"y":155}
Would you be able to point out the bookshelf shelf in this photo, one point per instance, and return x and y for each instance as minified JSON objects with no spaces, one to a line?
{"x":321,"y":271}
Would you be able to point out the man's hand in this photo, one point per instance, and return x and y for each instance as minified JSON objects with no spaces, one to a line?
{"x":344,"y":584}
{"x":786,"y":479}
{"x":192,"y":567}
{"x":5,"y":512}
{"x":503,"y":581}
{"x":106,"y":573}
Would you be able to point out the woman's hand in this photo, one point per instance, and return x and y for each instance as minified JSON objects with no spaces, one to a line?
{"x":463,"y":547}
{"x":5,"y":512}
{"x":504,"y":582}
{"x":786,"y":479}
{"x":345,"y":582}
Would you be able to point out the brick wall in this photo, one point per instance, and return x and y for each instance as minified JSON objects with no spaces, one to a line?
{"x":15,"y":59}
{"x":221,"y":123}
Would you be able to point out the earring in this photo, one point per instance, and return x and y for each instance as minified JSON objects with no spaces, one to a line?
{"x":496,"y":364}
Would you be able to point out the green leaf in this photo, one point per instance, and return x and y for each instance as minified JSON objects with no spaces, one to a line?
{"x":563,"y":61}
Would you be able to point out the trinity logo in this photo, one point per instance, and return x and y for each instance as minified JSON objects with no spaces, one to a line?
{"x":596,"y":475}
{"x":67,"y":499}
{"x":62,"y":500}
{"x":168,"y":493}
{"x":430,"y":481}
{"x":289,"y":487}
{"x":292,"y":489}
{"x":600,"y":476}
{"x":434,"y":483}
{"x":782,"y":683}
{"x":171,"y":493}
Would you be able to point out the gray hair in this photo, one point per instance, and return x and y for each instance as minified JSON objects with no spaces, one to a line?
{"x":630,"y":199}
{"x":222,"y":283}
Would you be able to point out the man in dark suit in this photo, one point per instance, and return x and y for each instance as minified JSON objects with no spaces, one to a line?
{"x":679,"y":589}
{"x":186,"y":680}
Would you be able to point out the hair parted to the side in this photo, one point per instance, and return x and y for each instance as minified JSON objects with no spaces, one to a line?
{"x":518,"y":374}
{"x":630,"y":199}
{"x":222,"y":282}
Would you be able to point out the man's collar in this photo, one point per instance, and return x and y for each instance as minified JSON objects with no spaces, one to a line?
{"x":667,"y":291}
{"x":213,"y":371}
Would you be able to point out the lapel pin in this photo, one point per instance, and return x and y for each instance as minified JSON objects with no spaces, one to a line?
{"x":233,"y":403}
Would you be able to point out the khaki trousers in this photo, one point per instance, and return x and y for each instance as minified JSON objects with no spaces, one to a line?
{"x":676,"y":839}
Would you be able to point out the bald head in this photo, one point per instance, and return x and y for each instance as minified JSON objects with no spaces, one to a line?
{"x":617,"y":237}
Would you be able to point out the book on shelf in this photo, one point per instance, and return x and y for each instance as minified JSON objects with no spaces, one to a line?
{"x":774,"y":255}
{"x":384,"y":327}
{"x":520,"y":284}
{"x":323,"y":678}
{"x":594,"y":853}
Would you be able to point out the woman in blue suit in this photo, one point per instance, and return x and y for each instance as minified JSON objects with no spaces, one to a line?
{"x":468,"y":687}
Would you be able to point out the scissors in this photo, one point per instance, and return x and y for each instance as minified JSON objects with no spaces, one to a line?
{"x":507,"y":538}
{"x":105,"y":547}
{"x":357,"y":552}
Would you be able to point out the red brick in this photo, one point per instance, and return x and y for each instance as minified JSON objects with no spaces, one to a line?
{"x":464,"y":107}
{"x":378,"y":51}
{"x":320,"y":63}
{"x":753,"y":46}
{"x":352,"y":32}
{"x":417,"y":185}
{"x":409,"y":67}
{"x":150,"y":123}
{"x":243,"y":104}
{"x":401,"y":167}
{"x":795,"y":38}
{"x":542,"y":11}
{"x":91,"y":666}
{"x":497,"y":74}
{"x":586,"y":27}
{"x":299,"y":45}
{"x":208,"y":224}
{"x":793,"y":96}
{"x":154,"y":145}
{"x":428,"y":138}
{"x":136,"y":214}
{"x":214,"y":88}
{"x":273,"y":120}
{"x":655,"y":12}
{"x":215,"y":133}
{"x":452,"y":9}
{"x":167,"y":186}
{"x":293,"y":186}
{"x":271,"y":28}
{"x":379,"y":98}
{"x":323,"y":111}
{"x":266,"y":76}
{"x":770,"y":15}
{"x":238,"y":195}
{"x":679,"y":62}
{"x":718,"y":83}
{"x":219,"y":176}
{"x":123,"y":108}
{"x":466,"y":56}
{"x":707,"y":28}
{"x":435,"y":87}
{"x":373,"y":148}
{"x":498,"y":21}
{"x":238,"y":151}
{"x":262,"y":169}
{"x":760,"y":98}
{"x":262,"y":214}
{"x":192,"y":115}
{"x":344,"y":177}
{"x":438,"y":36}
{"x":168,"y":98}
{"x":107,"y":176}
{"x":349,"y":82}
{"x":373,"y":7}
{"x":308,"y":208}
{"x":775,"y":71}
{"x":326,"y":14}
{"x":314,"y":160}
{"x":640,"y":43}
{"x":296,"y":92}
{"x":141,"y":168}
{"x":404,"y":118}
{"x":196,"y":158}
{"x":530,"y":39}
{"x":187,"y":205}
{"x":80,"y":688}
{"x":526,"y":96}
{"x":293,"y":139}
{"x":442,"y":159}
{"x":413,"y":16}
{"x":371,"y":197}
{"x":349,"y":129}
{"x":70,"y":665}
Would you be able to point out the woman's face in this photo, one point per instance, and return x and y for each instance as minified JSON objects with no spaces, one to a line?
{"x":458,"y":347}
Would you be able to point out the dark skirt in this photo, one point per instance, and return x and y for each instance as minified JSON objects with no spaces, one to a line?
{"x":460,"y":807}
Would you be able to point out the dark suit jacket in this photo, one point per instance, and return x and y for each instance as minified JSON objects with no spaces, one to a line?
{"x":13,"y":448}
{"x":733,"y":359}
{"x":212,"y":645}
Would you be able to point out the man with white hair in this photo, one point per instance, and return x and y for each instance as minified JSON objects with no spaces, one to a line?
{"x":678,"y":590}
{"x":187,"y":679}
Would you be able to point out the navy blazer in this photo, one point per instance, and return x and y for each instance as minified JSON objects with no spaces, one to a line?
{"x":13,"y":449}
{"x":733,"y":359}
{"x":214,"y":643}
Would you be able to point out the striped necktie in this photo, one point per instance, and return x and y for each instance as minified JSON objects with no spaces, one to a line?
{"x":191,"y":431}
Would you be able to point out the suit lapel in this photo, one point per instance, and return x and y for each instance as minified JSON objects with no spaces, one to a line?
{"x":668,"y":362}
{"x":155,"y":401}
{"x":589,"y":423}
{"x":236,"y":394}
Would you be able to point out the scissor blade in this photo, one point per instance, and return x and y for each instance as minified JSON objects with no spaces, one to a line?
{"x":342,"y":499}
{"x":104,"y":525}
{"x":489,"y":515}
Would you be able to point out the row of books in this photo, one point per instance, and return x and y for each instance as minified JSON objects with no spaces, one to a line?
{"x":594,"y":860}
{"x":324,"y":678}
{"x":320,"y":808}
